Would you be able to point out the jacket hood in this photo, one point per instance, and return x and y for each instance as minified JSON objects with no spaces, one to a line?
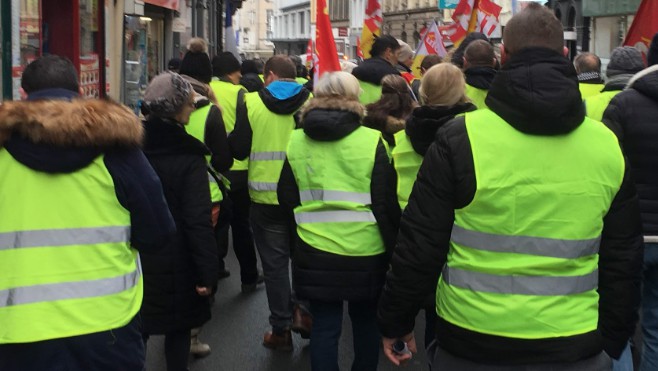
{"x":426,"y":120}
{"x":58,"y":136}
{"x":373,"y":70}
{"x":285,"y":97}
{"x":617,"y":82}
{"x":646,"y":82}
{"x":331,"y":118}
{"x":167,"y":137}
{"x":480,"y":77}
{"x":537,"y":92}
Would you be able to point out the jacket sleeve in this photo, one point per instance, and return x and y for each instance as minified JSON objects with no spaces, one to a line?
{"x":385,"y":205}
{"x":620,"y":269}
{"x":239,"y":140}
{"x":613,"y":117}
{"x":423,"y":241}
{"x":287,"y":189}
{"x":139,"y":190}
{"x":196,"y":222}
{"x":216,"y":140}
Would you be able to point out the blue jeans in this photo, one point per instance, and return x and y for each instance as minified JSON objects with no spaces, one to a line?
{"x":327,"y":326}
{"x":650,"y":309}
{"x":272,"y":234}
{"x":625,"y":361}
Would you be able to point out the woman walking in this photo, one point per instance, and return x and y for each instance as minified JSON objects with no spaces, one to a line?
{"x":337,"y":182}
{"x":178,"y":279}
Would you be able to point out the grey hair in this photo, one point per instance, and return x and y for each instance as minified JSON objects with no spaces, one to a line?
{"x":337,"y":83}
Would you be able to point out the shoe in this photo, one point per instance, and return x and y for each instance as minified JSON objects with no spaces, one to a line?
{"x":278,"y":342}
{"x":224,"y":273}
{"x":251,"y":287}
{"x":197,"y":348}
{"x":302,"y":322}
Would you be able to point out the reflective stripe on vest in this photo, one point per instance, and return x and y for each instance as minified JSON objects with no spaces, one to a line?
{"x":523,"y":259}
{"x":335,"y":213}
{"x":326,"y":195}
{"x":520,"y":285}
{"x":550,"y":247}
{"x":335,"y":217}
{"x":596,"y":105}
{"x":227,"y":96}
{"x":271,"y":133}
{"x":370,"y":93}
{"x":69,"y":290}
{"x":65,"y":257}
{"x":476,"y":95}
{"x":407,"y":163}
{"x":64,"y":237}
{"x":196,"y":127}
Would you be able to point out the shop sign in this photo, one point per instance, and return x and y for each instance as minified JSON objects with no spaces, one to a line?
{"x":342,"y":31}
{"x":169,"y":4}
{"x":599,"y":8}
{"x":178,"y":25}
{"x":448,"y":4}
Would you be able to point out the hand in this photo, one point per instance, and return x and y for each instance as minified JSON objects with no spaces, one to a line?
{"x":203,"y":291}
{"x":395,"y":358}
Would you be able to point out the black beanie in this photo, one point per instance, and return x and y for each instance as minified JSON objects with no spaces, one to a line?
{"x":225,"y":63}
{"x":652,"y":55}
{"x":196,"y":62}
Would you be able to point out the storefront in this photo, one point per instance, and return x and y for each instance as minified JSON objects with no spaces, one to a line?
{"x":144,"y":48}
{"x":73,"y":29}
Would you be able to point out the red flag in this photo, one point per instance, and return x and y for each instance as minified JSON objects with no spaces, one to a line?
{"x":359,"y":52}
{"x":644,"y":26}
{"x":325,"y":46}
{"x":372,"y":26}
{"x":488,"y":13}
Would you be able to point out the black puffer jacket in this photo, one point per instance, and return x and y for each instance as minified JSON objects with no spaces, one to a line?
{"x":536,"y":92}
{"x":632,"y":116}
{"x":480,"y":77}
{"x":424,"y":122}
{"x":372,"y":70}
{"x":189,"y":259}
{"x":321,"y":275}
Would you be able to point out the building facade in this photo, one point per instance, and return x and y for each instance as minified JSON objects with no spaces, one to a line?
{"x":254,"y":29}
{"x":291,"y":27}
{"x":597,"y":26}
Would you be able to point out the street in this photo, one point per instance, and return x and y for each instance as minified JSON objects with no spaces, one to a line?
{"x":236,"y":331}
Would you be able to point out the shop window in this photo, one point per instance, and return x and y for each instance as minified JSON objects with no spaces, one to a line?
{"x":89,"y":48}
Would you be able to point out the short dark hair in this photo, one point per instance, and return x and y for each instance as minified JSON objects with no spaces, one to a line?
{"x":50,"y":72}
{"x":430,"y":61}
{"x":479,"y":53}
{"x":587,"y":62}
{"x":282,"y":66}
{"x":533,"y":26}
{"x":382,"y":43}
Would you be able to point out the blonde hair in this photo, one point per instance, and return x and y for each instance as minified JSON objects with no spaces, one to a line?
{"x":442,"y":85}
{"x":337,"y":83}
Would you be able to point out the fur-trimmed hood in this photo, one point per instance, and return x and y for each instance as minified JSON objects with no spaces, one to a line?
{"x":59,"y":136}
{"x":79,"y":123}
{"x":331,"y":118}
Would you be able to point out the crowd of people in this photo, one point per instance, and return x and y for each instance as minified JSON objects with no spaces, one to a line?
{"x":512,"y":196}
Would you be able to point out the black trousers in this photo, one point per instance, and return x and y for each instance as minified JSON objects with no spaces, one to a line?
{"x":243,"y":241}
{"x":118,"y":349}
{"x":177,"y":349}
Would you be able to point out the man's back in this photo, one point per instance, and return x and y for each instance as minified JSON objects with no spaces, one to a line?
{"x":538,"y":251}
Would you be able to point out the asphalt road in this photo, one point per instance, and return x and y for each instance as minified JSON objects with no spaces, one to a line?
{"x":236,"y":331}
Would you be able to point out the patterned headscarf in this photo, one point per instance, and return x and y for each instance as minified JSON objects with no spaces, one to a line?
{"x":167,"y":94}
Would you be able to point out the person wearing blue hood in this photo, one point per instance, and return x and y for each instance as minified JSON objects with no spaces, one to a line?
{"x":78,"y":201}
{"x":264,"y":123}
